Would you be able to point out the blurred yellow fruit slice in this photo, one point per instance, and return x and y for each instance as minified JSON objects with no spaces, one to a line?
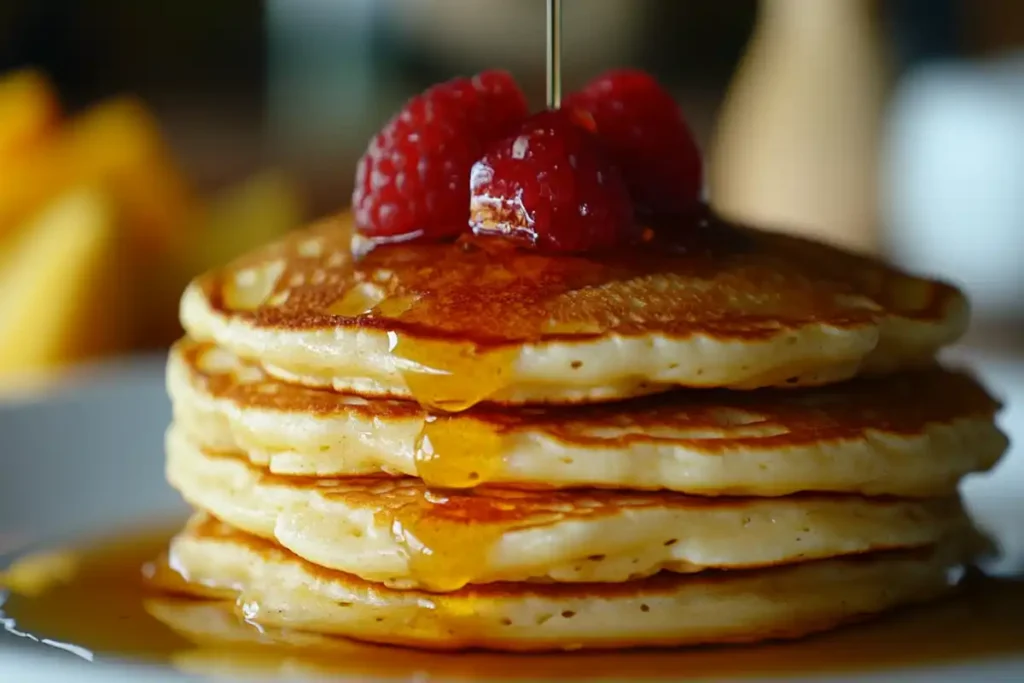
{"x":255,"y":211}
{"x":61,"y":286}
{"x":119,"y":143}
{"x":118,"y":146}
{"x":29,"y":112}
{"x":30,"y":180}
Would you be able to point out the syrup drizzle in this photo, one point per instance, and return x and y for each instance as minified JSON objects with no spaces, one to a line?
{"x":446,"y":543}
{"x":457,"y":454}
{"x":446,"y":538}
{"x":450,"y":377}
{"x":441,"y":558}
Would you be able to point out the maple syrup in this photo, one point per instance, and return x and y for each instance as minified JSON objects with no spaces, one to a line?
{"x":451,"y":377}
{"x":447,"y":541}
{"x":103,"y":611}
{"x":359,"y":300}
{"x":440,"y":560}
{"x":90,"y":603}
{"x":445,"y":538}
{"x":457,"y":454}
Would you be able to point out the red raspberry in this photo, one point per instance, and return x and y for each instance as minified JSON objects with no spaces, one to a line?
{"x":551,"y":186}
{"x":413,"y":181}
{"x":645,"y":133}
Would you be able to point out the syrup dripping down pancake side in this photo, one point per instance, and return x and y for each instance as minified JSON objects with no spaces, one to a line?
{"x":401,"y":533}
{"x":913,"y":434}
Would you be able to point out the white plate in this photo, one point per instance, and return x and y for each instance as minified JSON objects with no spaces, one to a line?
{"x":90,"y":456}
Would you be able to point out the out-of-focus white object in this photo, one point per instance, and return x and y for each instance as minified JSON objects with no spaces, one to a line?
{"x":796,"y":145}
{"x":320,"y":84}
{"x":953,"y":178}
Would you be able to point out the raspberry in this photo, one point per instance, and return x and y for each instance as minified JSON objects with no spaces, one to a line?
{"x":413,"y":181}
{"x":645,"y":133}
{"x":551,"y":186}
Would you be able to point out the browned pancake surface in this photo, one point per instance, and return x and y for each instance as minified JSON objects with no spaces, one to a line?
{"x":715,"y":279}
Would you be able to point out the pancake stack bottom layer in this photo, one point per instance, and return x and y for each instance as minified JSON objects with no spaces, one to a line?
{"x":434,"y":494}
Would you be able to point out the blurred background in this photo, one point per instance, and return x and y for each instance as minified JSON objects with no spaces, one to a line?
{"x":141,"y":143}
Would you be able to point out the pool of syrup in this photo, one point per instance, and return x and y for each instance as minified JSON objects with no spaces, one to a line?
{"x":96,"y":606}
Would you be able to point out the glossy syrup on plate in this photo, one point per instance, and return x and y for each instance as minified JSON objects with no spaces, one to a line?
{"x":95,"y":603}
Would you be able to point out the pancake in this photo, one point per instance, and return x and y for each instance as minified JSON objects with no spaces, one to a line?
{"x":452,"y":325}
{"x":400,"y":533}
{"x":275,"y":588}
{"x":913,"y":434}
{"x":981,"y":621}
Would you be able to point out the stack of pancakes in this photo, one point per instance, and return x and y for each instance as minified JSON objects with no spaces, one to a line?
{"x":743,"y":436}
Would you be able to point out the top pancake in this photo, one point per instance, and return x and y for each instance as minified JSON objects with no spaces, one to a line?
{"x":452,"y":325}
